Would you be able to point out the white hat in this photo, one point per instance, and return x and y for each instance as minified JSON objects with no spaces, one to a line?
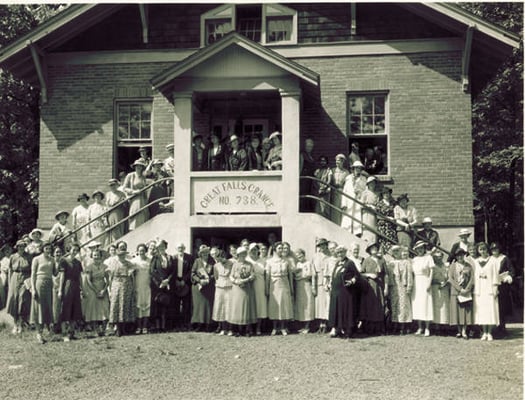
{"x":274,"y":134}
{"x":170,"y":146}
{"x":233,"y":138}
{"x":419,"y":243}
{"x":370,"y":179}
{"x":427,"y":220}
{"x":464,"y":232}
{"x":357,"y":164}
{"x":241,"y":250}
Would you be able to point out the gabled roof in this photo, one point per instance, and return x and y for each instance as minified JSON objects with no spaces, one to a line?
{"x":76,"y":18}
{"x":234,"y":38}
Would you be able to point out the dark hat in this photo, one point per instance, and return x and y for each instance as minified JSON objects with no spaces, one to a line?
{"x":100,"y":192}
{"x":58,"y":214}
{"x":403,"y":196}
{"x":321,"y":242}
{"x":157,"y":162}
{"x":203,"y":249}
{"x":494,"y":245}
{"x":82,"y":196}
{"x":368,"y":247}
{"x":142,"y":148}
{"x":197,"y":136}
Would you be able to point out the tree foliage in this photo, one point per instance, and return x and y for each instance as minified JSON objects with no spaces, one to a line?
{"x":497,"y":117}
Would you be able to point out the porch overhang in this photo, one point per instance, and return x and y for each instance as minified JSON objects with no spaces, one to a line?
{"x":163,"y":80}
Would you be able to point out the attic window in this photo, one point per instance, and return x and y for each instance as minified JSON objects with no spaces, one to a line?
{"x":266,"y":23}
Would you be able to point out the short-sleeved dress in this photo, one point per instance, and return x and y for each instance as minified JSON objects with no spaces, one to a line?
{"x":42,"y":308}
{"x":71,"y":301}
{"x":96,"y":308}
{"x":242,"y":304}
{"x":223,"y":288}
{"x":304,"y":305}
{"x":261,"y":302}
{"x":422,"y":308}
{"x":322,"y":299}
{"x":384,"y":226}
{"x":461,"y":276}
{"x":142,"y":286}
{"x":122,"y":293}
{"x":18,"y":295}
{"x":280,"y":297}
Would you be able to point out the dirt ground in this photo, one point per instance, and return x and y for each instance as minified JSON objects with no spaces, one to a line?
{"x":207,"y":366}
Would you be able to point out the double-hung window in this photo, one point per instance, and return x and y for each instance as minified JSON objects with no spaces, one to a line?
{"x":368,"y":129}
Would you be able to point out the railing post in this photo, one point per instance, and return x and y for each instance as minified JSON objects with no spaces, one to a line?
{"x":183,"y":102}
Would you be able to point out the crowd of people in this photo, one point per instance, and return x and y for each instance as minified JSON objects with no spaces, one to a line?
{"x":254,"y":288}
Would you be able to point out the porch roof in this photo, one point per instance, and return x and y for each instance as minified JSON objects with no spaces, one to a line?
{"x":234,"y":39}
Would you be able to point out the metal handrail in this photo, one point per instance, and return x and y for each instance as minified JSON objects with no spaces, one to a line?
{"x":365,"y":207}
{"x":111,"y":209}
{"x":109,"y":229}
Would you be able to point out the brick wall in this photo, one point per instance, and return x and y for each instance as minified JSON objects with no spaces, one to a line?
{"x":430,"y":125}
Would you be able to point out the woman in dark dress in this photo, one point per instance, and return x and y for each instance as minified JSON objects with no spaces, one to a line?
{"x":216,"y":154}
{"x":307,"y":167}
{"x":69,"y":291}
{"x":19,"y":295}
{"x":385,"y":223}
{"x":162,"y":269}
{"x":157,"y":191}
{"x":343,"y":290}
{"x":203,"y":289}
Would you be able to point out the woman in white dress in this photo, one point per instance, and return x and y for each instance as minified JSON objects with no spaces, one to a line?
{"x":132,"y":186}
{"x":369,"y":198}
{"x":259,"y":285}
{"x":80,"y":216}
{"x":304,"y":299}
{"x":321,"y":295}
{"x":96,"y":209}
{"x":142,"y":288}
{"x":422,"y":266}
{"x":486,"y":282}
{"x":354,"y":186}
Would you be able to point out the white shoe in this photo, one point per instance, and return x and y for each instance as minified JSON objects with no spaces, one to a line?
{"x":66,"y":339}
{"x":489,"y":337}
{"x":39,"y":338}
{"x":484,"y":337}
{"x":15,"y":330}
{"x":222,"y":333}
{"x":427,"y":333}
{"x":333,"y":332}
{"x":418,"y":332}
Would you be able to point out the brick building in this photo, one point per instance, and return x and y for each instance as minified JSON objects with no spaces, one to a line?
{"x":398,"y":76}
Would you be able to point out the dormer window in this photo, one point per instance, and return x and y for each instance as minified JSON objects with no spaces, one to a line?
{"x":267,"y":23}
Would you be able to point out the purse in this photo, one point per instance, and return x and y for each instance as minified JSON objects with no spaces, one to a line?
{"x":162,"y":298}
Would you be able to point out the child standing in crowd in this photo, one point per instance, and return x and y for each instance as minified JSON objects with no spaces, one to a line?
{"x":223,"y":288}
{"x":304,"y":298}
{"x":242,"y":308}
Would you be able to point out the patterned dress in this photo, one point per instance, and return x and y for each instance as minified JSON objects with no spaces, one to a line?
{"x":304,"y":305}
{"x":122,"y":293}
{"x":280,"y":297}
{"x":242,"y":304}
{"x":386,"y":227}
{"x":202,"y":294}
{"x":461,"y":276}
{"x":95,"y":308}
{"x":142,"y":286}
{"x":323,"y":191}
{"x":400,"y":284}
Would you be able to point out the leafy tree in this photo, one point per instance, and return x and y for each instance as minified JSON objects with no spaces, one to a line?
{"x":498,"y":138}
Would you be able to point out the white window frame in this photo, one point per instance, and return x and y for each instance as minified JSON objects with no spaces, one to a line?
{"x":269,"y":10}
{"x":386,"y":134}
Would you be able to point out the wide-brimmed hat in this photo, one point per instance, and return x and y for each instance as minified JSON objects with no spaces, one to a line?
{"x":233,"y":138}
{"x":340,"y":156}
{"x":427,"y":220}
{"x":274,"y":135}
{"x":170,"y":146}
{"x":463,"y":232}
{"x":157,"y":162}
{"x":395,"y":247}
{"x":419,"y":243}
{"x":113,"y":181}
{"x":20,"y":243}
{"x":253,"y":246}
{"x":100,"y":192}
{"x":36,"y":230}
{"x":82,"y":196}
{"x":93,"y":244}
{"x":58,"y":214}
{"x":203,"y":249}
{"x":369,"y":246}
{"x":140,"y":162}
{"x":241,"y":250}
{"x":370,"y":179}
{"x":357,"y":164}
{"x":321,"y":242}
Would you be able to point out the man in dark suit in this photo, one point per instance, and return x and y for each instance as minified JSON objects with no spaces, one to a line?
{"x":428,"y":235}
{"x":181,"y":283}
{"x":463,"y":243}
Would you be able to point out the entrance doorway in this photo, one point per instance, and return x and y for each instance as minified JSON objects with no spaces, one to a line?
{"x":223,"y":237}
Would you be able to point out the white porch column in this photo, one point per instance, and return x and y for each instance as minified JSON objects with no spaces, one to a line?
{"x":291,"y":124}
{"x":182,"y":164}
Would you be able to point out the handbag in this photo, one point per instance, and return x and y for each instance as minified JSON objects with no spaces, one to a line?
{"x":162,"y":298}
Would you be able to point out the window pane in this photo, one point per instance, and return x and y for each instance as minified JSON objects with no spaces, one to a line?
{"x":145,"y":130}
{"x":145,"y":114}
{"x":379,"y":105}
{"x":135,"y":113}
{"x":123,"y":131}
{"x":355,"y":105}
{"x":279,"y":29}
{"x":367,"y":105}
{"x":134,"y":130}
{"x":217,"y":28}
{"x":379,"y":124}
{"x":355,"y":125}
{"x":368,"y":126}
{"x":123,"y":112}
